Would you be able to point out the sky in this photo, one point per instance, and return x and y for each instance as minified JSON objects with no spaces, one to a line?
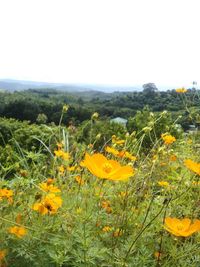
{"x":108,"y":42}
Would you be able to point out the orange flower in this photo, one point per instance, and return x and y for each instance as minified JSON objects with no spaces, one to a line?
{"x":103,"y":168}
{"x":18,"y":231}
{"x":48,"y":205}
{"x":168,"y":139}
{"x":193,"y":166}
{"x":181,"y":227}
{"x":6,"y":194}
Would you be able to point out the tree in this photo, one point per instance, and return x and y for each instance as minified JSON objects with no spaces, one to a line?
{"x":149,"y":88}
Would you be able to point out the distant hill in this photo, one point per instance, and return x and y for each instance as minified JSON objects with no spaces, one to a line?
{"x":18,"y":85}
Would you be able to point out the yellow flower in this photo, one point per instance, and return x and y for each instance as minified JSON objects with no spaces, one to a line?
{"x":19,"y":231}
{"x":163,"y":183}
{"x":121,"y":154}
{"x":195,"y":183}
{"x":61,"y":154}
{"x":193,"y":166}
{"x":112,"y":150}
{"x":117,"y":141}
{"x":103,"y":168}
{"x":71,"y":168}
{"x":2,"y":254}
{"x":129,"y":156}
{"x":168,"y":139}
{"x":6,"y":194}
{"x":181,"y":227}
{"x":106,"y":229}
{"x":61,"y":169}
{"x":49,"y":187}
{"x":79,"y":180}
{"x":181,"y":90}
{"x":48,"y":205}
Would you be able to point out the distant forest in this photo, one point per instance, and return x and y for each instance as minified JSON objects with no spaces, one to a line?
{"x":45,"y":105}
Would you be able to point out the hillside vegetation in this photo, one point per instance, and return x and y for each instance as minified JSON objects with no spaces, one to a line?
{"x":77,"y":190}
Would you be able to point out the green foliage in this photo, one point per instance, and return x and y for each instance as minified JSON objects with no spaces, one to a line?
{"x":149,"y":126}
{"x":99,"y":222}
{"x":30,"y":104}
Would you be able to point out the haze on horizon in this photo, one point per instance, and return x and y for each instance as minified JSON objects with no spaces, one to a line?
{"x":108,"y":42}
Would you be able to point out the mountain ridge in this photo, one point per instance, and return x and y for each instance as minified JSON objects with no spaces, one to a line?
{"x":18,"y":85}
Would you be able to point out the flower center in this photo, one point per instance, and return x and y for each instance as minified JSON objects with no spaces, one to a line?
{"x":48,"y":206}
{"x":107,"y":167}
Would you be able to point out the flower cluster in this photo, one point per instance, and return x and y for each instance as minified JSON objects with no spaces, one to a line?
{"x":120,"y":154}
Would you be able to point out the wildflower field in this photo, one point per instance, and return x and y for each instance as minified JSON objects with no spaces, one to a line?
{"x":105,"y":198}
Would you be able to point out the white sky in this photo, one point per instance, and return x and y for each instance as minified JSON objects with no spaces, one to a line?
{"x":122,"y":42}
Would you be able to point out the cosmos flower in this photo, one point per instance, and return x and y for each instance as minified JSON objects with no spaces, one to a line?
{"x":19,"y":231}
{"x":181,"y":227}
{"x":103,"y":168}
{"x":192,"y":165}
{"x":168,"y":139}
{"x":6,"y":194}
{"x":48,"y":205}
